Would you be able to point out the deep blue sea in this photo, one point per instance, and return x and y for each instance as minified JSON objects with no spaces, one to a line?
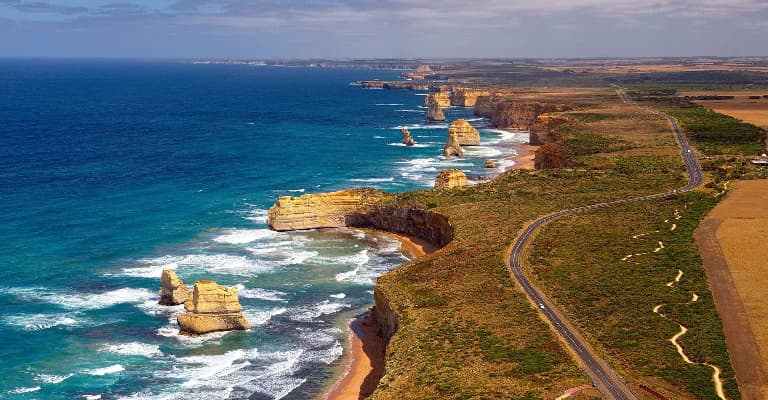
{"x":112,"y":171}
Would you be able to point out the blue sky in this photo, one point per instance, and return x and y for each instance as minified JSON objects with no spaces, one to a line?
{"x":381,"y":28}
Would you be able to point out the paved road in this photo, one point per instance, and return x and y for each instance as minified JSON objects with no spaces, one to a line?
{"x":606,"y":380}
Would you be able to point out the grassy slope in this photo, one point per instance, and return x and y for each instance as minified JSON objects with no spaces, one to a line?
{"x":467,"y":331}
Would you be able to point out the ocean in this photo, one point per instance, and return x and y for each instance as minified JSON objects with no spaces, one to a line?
{"x":111,"y":171}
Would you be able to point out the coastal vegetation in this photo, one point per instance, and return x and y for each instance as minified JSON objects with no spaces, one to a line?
{"x":468,"y":333}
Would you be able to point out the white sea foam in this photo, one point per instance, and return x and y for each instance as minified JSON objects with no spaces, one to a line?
{"x":22,"y":390}
{"x":83,"y":301}
{"x":338,"y":295}
{"x":421,"y":94}
{"x":390,"y":104}
{"x":296,"y":190}
{"x":379,"y":137}
{"x":133,"y":349}
{"x":258,"y":216}
{"x":482,"y":152}
{"x":358,"y":258}
{"x":240,"y":236}
{"x":91,"y":397}
{"x":261,"y":294}
{"x":311,"y":312}
{"x":52,"y":379}
{"x":373,"y":180}
{"x":416,"y":145}
{"x":420,"y":126}
{"x":112,"y":369}
{"x":345,"y":276}
{"x":257,"y":317}
{"x":216,"y":263}
{"x":37,"y":322}
{"x":411,"y":111}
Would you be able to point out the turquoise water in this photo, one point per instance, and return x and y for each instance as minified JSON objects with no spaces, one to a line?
{"x":113,"y":171}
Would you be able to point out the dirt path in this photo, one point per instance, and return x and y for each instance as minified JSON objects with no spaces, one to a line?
{"x":732,"y":240}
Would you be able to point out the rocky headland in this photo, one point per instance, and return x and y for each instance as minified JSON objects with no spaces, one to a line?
{"x":507,"y":112}
{"x":450,"y":178}
{"x":546,"y":128}
{"x":466,"y":97}
{"x":212,"y":308}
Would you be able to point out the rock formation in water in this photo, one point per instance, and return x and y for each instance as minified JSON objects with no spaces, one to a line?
{"x":452,"y":146}
{"x":490,"y":164}
{"x":450,"y":178}
{"x":546,"y":129}
{"x":212,"y":308}
{"x":407,"y":138}
{"x":435,"y":113}
{"x":464,"y":97}
{"x":466,"y":134}
{"x":172,"y":290}
{"x":550,"y":156}
{"x":442,"y":98}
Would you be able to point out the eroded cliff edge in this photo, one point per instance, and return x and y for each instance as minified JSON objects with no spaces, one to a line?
{"x":362,"y":208}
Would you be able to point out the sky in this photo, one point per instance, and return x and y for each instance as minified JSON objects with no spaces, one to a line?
{"x":261,"y":29}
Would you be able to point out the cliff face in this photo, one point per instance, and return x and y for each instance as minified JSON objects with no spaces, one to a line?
{"x":323,"y":210}
{"x":505,"y":112}
{"x":358,"y":208}
{"x":212,"y":308}
{"x":466,"y":134}
{"x":389,"y":321}
{"x":450,"y":178}
{"x":545,"y":129}
{"x":550,"y":156}
{"x":435,"y":113}
{"x":442,"y":98}
{"x":464,"y":97}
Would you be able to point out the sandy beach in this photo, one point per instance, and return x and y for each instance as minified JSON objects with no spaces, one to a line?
{"x":365,"y":348}
{"x":524,"y":157}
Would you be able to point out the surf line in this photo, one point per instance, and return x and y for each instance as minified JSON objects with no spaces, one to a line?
{"x":716,"y":381}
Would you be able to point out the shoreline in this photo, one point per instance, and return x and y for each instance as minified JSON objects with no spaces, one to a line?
{"x":524,"y":158}
{"x":365,"y":349}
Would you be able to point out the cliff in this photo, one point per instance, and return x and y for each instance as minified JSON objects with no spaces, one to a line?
{"x":442,"y":98}
{"x":393,"y":85}
{"x":172,"y":290}
{"x":550,"y":156}
{"x":363,"y":208}
{"x":435,"y":112}
{"x":464,"y":97}
{"x":506,"y":112}
{"x":466,"y":134}
{"x":546,"y":129}
{"x":450,"y":178}
{"x":324,"y":210}
{"x":212,"y":308}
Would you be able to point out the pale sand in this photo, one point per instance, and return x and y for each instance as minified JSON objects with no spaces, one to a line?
{"x":365,"y":348}
{"x":732,"y":240}
{"x":524,"y":158}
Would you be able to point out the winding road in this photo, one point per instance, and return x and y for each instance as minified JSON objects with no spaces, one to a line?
{"x":605,"y":379}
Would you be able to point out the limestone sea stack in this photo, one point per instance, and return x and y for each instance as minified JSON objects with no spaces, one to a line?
{"x":212,"y":308}
{"x":407,"y":138}
{"x":490,"y":164}
{"x":452,"y":146}
{"x":172,"y":290}
{"x":466,"y":134}
{"x":442,"y":98}
{"x":435,"y":113}
{"x":450,"y":178}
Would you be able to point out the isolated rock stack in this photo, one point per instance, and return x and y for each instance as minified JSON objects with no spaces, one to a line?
{"x":442,"y":98}
{"x":452,"y":146}
{"x":172,"y":290}
{"x":435,"y":113}
{"x":450,"y":178}
{"x":407,"y":138}
{"x":465,"y":133}
{"x":212,"y":308}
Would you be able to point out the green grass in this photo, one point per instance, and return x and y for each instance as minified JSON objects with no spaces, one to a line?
{"x":716,"y":134}
{"x":612,"y":300}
